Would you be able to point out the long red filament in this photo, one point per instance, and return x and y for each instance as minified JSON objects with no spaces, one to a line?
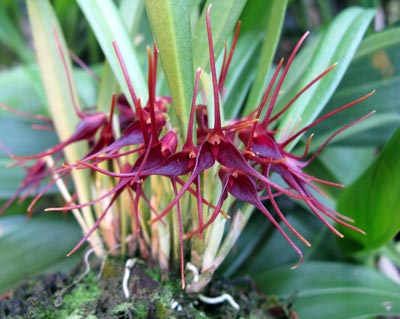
{"x":69,"y":79}
{"x":282,"y":78}
{"x":217,"y":111}
{"x":226,"y":63}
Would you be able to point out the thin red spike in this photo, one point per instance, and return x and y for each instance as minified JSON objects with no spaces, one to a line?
{"x":135,"y":100}
{"x":152,"y":92}
{"x":42,"y":127}
{"x":136,"y":208}
{"x":69,"y":79}
{"x":282,"y":78}
{"x":120,"y":186}
{"x":306,"y":149}
{"x":214,"y":215}
{"x":314,"y":205}
{"x":267,"y":214}
{"x":302,"y":175}
{"x":84,"y":66}
{"x":189,"y":146}
{"x":43,"y":191}
{"x":125,"y":72}
{"x":320,"y":76}
{"x":217,"y":112}
{"x":112,"y":109}
{"x":203,"y":200}
{"x":322,"y":118}
{"x":222,"y":68}
{"x":263,"y":101}
{"x":283,"y":218}
{"x":26,"y":115}
{"x":322,"y":207}
{"x":320,"y":149}
{"x":94,"y":227}
{"x":180,"y":230}
{"x":199,"y":206}
{"x":225,"y":64}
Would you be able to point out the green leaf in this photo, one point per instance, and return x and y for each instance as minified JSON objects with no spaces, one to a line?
{"x":130,"y":12}
{"x":60,"y":95}
{"x":349,"y":163}
{"x":338,"y":44}
{"x":273,"y":14}
{"x":260,"y":245}
{"x":54,"y":76}
{"x":170,"y":22}
{"x":240,"y":76}
{"x":373,"y":200}
{"x":224,"y":16}
{"x":23,"y":141}
{"x":108,"y":26}
{"x":26,"y":81}
{"x":30,"y":247}
{"x":376,"y":66}
{"x":44,"y":25}
{"x":11,"y":37}
{"x":333,"y":290}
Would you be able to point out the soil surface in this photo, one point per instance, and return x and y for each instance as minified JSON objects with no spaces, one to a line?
{"x":98,"y":294}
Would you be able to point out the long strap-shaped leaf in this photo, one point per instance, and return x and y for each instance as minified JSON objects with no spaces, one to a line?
{"x":274,"y":15}
{"x":338,"y":44}
{"x":108,"y":26}
{"x":376,"y":66}
{"x":224,"y":16}
{"x":170,"y":22}
{"x":349,"y":291}
{"x":131,"y":12}
{"x":11,"y":37}
{"x":44,"y":25}
{"x":29,"y":247}
{"x":59,"y":94}
{"x":373,"y":200}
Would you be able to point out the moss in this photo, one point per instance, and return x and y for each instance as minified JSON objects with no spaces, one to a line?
{"x":150,"y":297}
{"x":140,"y":311}
{"x":153,"y":272}
{"x":78,"y":301}
{"x":109,"y":269}
{"x":161,"y":311}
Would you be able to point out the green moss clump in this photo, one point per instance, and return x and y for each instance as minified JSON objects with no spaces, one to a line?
{"x":150,"y":297}
{"x":78,"y":303}
{"x":161,"y":311}
{"x":122,"y":310}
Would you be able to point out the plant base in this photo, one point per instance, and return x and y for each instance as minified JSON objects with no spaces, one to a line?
{"x":77,"y":297}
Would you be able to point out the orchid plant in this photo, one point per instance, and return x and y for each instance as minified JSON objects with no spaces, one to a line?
{"x":174,"y":167}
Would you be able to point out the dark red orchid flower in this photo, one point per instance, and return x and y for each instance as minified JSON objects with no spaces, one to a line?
{"x":247,"y":152}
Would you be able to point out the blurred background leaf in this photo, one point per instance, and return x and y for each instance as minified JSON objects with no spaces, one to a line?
{"x":352,"y":289}
{"x":333,"y":290}
{"x":376,"y":66}
{"x":37,"y":245}
{"x":373,"y":201}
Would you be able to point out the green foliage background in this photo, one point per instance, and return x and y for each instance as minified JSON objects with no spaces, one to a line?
{"x":340,"y":278}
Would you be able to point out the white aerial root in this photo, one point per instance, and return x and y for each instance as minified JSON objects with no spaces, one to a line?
{"x":211,"y":300}
{"x":175,"y":305}
{"x":86,"y":261}
{"x":58,"y":301}
{"x":195,"y":272}
{"x":128,"y":266}
{"x":220,"y":299}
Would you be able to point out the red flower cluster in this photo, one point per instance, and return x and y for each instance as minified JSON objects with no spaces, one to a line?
{"x":247,"y":152}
